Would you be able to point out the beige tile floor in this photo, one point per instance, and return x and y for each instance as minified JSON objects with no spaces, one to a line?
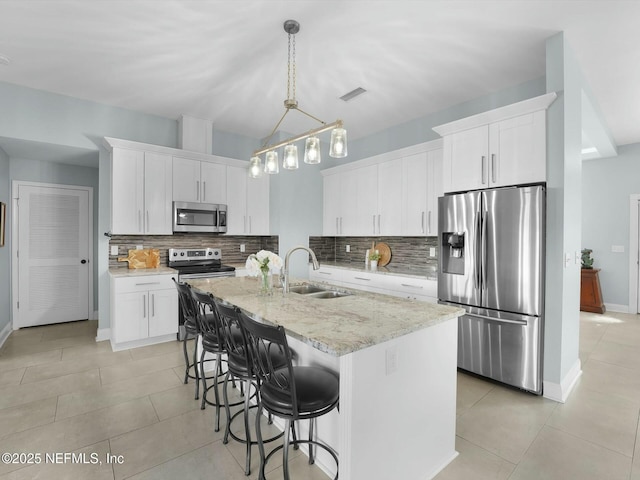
{"x":60,"y":392}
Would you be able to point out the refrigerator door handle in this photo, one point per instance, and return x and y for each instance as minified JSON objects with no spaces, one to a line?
{"x":499,"y":320}
{"x":478,"y":263}
{"x":483,"y":260}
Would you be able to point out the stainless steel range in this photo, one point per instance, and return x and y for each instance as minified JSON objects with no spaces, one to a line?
{"x":197,"y":263}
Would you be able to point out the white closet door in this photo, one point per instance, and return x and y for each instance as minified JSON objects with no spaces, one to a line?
{"x":53,"y":251}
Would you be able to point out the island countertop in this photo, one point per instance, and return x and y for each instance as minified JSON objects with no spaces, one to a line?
{"x":337,"y":326}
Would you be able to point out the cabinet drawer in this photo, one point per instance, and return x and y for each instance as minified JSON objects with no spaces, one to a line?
{"x":142,"y":283}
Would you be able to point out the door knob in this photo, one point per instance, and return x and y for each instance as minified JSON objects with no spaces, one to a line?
{"x":83,"y":261}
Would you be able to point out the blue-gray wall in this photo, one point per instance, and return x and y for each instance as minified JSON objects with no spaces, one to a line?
{"x":5,"y":252}
{"x":606,"y":187}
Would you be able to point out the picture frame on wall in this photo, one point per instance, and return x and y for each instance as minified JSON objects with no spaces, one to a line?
{"x":3,"y":214}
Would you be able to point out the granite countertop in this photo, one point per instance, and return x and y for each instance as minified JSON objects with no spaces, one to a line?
{"x":336,"y":326}
{"x":136,"y":272}
{"x":401,"y":271}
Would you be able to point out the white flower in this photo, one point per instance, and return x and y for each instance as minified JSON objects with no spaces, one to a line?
{"x":263,"y":259}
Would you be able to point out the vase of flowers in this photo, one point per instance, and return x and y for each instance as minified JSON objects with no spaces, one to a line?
{"x":262,"y":265}
{"x":374,"y":256}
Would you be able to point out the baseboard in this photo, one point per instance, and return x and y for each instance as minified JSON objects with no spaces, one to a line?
{"x":560,"y":392}
{"x":103,"y":334}
{"x":613,"y":307}
{"x":4,"y":333}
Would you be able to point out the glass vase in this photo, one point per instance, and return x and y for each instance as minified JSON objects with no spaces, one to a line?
{"x":265,"y":288}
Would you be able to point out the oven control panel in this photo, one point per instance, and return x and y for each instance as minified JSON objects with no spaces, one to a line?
{"x":194,"y":254}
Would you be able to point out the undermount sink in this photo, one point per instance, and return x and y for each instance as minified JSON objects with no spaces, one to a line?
{"x":315,"y":291}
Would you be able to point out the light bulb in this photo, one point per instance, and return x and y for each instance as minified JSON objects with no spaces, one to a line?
{"x":255,"y":167}
{"x":271,"y":162}
{"x":338,"y":147}
{"x":290,"y":160}
{"x":312,"y":150}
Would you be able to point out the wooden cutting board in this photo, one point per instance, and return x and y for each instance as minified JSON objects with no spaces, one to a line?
{"x":145,"y":258}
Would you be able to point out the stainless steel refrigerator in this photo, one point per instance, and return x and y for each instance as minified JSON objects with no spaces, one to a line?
{"x":492,"y":265}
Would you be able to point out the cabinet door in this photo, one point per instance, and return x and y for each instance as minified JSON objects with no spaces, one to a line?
{"x":127,"y":191}
{"x":131,"y":317}
{"x":434,"y":190}
{"x":158,"y":188}
{"x":389,"y":221}
{"x":236,"y":201}
{"x":163,"y":312}
{"x":349,"y":223}
{"x":331,"y":205}
{"x":213,"y":183}
{"x":186,"y":180}
{"x":414,"y":181}
{"x":366,"y":215}
{"x":466,"y":159}
{"x":518,"y":150}
{"x":258,"y":205}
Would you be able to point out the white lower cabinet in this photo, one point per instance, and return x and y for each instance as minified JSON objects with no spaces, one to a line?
{"x":144,"y":310}
{"x":417,"y":288}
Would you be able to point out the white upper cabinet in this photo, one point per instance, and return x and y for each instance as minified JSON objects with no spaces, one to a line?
{"x":201,"y":182}
{"x":501,"y":147}
{"x":141,"y":185}
{"x":421,"y":187}
{"x":392,"y":194}
{"x":247,"y":203}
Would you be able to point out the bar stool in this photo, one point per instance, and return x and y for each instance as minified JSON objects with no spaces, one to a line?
{"x":288,"y":392}
{"x":238,"y":366}
{"x":188,"y":309}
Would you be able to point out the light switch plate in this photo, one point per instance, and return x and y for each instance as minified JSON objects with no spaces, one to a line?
{"x":432,"y":251}
{"x":114,"y":249}
{"x":567,"y":259}
{"x":348,"y":248}
{"x":617,"y":248}
{"x":242,"y":247}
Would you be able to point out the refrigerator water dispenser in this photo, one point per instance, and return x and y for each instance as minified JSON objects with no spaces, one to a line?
{"x":453,"y":253}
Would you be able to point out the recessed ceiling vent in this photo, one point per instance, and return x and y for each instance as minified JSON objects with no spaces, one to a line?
{"x":352,"y":94}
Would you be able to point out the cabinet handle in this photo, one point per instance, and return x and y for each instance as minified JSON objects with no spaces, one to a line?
{"x":144,"y":306}
{"x":422,"y":221}
{"x":148,"y":283}
{"x":340,"y":225}
{"x":482,"y":166}
{"x":420,"y":287}
{"x":147,"y":227}
{"x":244,"y":224}
{"x":493,"y":167}
{"x":140,"y":220}
{"x":325,"y":273}
{"x":153,"y":305}
{"x":374,"y":224}
{"x":429,"y":222}
{"x":198,"y":190}
{"x":337,"y":229}
{"x":249,"y":223}
{"x":362,"y":278}
{"x":378,"y":224}
{"x":204,"y":191}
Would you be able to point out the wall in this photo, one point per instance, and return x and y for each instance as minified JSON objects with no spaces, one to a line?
{"x":5,"y":252}
{"x":607,"y":184}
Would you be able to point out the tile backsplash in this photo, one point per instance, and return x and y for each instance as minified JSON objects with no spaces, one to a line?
{"x":230,"y":245}
{"x":409,"y":252}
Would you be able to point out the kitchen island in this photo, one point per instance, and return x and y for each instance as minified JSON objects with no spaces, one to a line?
{"x":397,"y":364}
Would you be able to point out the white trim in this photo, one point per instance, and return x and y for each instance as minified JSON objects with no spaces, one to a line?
{"x":103,"y":334}
{"x":560,"y":392}
{"x":529,"y":105}
{"x":4,"y":333}
{"x":386,"y":156}
{"x":95,"y":315}
{"x":111,"y":143}
{"x":634,"y":211}
{"x":614,"y":307}
{"x":116,"y":347}
{"x":15,"y":184}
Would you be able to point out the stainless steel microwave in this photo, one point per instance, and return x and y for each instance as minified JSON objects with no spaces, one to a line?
{"x":199,"y":217}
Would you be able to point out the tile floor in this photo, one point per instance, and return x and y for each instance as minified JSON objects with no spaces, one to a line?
{"x":60,"y":392}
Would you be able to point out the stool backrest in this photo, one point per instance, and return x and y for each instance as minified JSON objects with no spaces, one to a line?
{"x":206,"y":314}
{"x":231,"y":332}
{"x":185,"y":299}
{"x":260,"y":339}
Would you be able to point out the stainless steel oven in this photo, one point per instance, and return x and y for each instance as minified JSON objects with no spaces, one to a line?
{"x":199,"y":217}
{"x":197,"y":263}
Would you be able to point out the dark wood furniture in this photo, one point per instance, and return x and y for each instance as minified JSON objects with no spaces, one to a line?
{"x":590,"y":292}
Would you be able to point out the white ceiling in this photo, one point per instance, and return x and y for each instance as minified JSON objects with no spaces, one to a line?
{"x":226,"y":60}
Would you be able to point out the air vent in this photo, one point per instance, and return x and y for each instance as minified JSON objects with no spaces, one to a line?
{"x":352,"y":94}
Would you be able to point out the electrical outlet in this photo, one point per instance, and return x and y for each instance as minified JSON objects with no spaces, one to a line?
{"x":348,"y":248}
{"x":432,"y":251}
{"x":567,"y":259}
{"x":242,"y":247}
{"x":114,"y":249}
{"x":139,"y":247}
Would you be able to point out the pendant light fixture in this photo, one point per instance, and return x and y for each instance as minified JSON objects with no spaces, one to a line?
{"x":337,"y":147}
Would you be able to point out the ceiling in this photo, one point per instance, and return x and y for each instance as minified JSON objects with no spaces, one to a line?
{"x":226,"y":60}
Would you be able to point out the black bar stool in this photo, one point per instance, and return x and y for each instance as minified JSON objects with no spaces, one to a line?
{"x":238,"y":366}
{"x":188,"y":309}
{"x":288,"y":392}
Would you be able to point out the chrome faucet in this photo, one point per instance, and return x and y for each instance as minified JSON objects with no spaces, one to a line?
{"x":285,"y":271}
